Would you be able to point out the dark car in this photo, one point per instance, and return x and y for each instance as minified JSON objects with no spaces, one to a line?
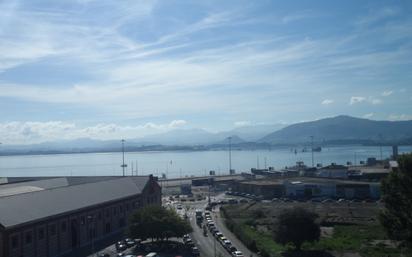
{"x":130,"y":242}
{"x":195,"y":251}
{"x":121,"y":246}
{"x":232,"y":249}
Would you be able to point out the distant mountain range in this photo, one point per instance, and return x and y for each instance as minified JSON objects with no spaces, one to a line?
{"x":336,"y":130}
{"x":342,"y":129}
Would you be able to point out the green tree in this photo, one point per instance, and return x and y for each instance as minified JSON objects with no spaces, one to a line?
{"x":296,"y":225}
{"x":157,"y":222}
{"x":396,"y":217}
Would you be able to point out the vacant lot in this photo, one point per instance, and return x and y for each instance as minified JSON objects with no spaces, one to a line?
{"x":348,"y":229}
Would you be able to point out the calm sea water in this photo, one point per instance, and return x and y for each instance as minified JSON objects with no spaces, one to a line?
{"x":177,"y":164}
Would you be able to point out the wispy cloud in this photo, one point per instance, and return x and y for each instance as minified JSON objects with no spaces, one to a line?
{"x":400,"y":117}
{"x":148,"y":59}
{"x":356,"y":99}
{"x":387,"y":93}
{"x":327,"y":102}
{"x":242,"y":123}
{"x":378,"y":15}
{"x":368,"y":115}
{"x":37,"y":132}
{"x":360,"y":99}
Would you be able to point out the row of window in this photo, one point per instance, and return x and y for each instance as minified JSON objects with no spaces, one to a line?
{"x":28,"y":236}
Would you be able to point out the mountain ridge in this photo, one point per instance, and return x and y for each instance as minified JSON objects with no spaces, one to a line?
{"x":342,"y":127}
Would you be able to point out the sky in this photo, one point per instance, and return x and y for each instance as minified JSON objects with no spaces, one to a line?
{"x":108,"y":69}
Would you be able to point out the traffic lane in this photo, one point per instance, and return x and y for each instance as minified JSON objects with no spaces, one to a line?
{"x":208,"y":243}
{"x":229,"y":235}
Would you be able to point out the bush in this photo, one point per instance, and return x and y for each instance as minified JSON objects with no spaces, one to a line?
{"x":296,"y":226}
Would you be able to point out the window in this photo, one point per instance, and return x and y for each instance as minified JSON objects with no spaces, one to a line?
{"x":28,"y":238}
{"x":107,"y":213}
{"x":82,"y":220}
{"x":53,"y":230}
{"x":63,"y":226}
{"x":99,"y":215}
{"x":127,"y":207}
{"x":14,"y":242}
{"x":114,"y":211}
{"x":40,"y":233}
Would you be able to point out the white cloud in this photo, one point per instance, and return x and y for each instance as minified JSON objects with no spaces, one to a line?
{"x":356,"y":99}
{"x":242,"y":123}
{"x":374,"y":100}
{"x":378,"y":15}
{"x":368,"y":115}
{"x":37,"y":132}
{"x":327,"y":101}
{"x":400,"y":117}
{"x":387,"y":93}
{"x":360,"y":99}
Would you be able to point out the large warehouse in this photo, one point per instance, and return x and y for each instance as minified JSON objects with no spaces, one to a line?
{"x":52,"y":216}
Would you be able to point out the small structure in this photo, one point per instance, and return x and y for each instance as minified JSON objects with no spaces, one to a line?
{"x":333,"y":171}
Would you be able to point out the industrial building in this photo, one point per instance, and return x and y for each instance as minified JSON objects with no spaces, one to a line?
{"x":303,"y":187}
{"x":52,"y":216}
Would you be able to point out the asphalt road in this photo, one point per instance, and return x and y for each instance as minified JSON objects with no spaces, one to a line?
{"x":208,"y":245}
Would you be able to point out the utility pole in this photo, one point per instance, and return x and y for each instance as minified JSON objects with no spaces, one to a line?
{"x":230,"y":155}
{"x":355,"y":159}
{"x":313,"y":160}
{"x":265,"y":163}
{"x":380,"y":145}
{"x":137,"y":168}
{"x":257,"y":162}
{"x":123,"y":165}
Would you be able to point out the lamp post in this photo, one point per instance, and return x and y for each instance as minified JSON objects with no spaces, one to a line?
{"x":123,"y":165}
{"x":313,"y":161}
{"x":230,"y":155}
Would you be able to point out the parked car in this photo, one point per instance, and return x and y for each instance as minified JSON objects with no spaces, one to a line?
{"x":227,"y":244}
{"x":232,"y":249}
{"x":130,"y":242}
{"x":195,"y":251}
{"x":152,"y":254}
{"x":103,"y":255}
{"x":121,"y":246}
{"x":237,"y":254}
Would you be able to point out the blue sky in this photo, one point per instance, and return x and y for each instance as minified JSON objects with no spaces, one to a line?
{"x":111,"y":69}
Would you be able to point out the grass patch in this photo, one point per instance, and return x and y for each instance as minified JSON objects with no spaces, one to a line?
{"x":264,"y":241}
{"x":350,"y":237}
{"x":345,"y":238}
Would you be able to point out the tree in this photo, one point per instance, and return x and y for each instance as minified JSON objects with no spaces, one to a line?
{"x":396,"y":217}
{"x":296,"y":226}
{"x":157,"y":222}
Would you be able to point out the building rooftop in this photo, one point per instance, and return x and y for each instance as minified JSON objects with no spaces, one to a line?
{"x":34,"y":200}
{"x":303,"y":180}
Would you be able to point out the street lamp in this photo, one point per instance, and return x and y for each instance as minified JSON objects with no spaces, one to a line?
{"x":313,"y":161}
{"x":230,"y":155}
{"x":123,"y":165}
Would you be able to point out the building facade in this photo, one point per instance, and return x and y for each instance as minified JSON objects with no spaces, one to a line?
{"x":53,"y":217}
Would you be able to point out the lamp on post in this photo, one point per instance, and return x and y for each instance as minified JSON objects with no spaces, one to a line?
{"x":123,"y":165}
